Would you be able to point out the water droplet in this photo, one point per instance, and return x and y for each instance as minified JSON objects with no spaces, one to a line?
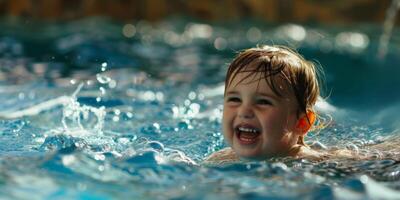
{"x":129,"y":114}
{"x":115,"y":118}
{"x":201,"y":97}
{"x":99,"y":157}
{"x":187,"y":102}
{"x":192,"y":95}
{"x":103,"y":79}
{"x":112,"y":84}
{"x":156,"y":146}
{"x":102,"y":91}
{"x":103,"y":66}
{"x":156,"y":125}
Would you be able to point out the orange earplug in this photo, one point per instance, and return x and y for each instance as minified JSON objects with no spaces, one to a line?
{"x":305,"y":123}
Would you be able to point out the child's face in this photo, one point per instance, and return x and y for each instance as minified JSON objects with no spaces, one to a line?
{"x":258,"y":123}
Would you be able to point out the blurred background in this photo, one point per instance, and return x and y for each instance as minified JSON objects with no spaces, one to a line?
{"x":300,"y":11}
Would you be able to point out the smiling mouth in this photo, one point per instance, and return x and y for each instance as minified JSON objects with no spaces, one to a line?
{"x":247,"y":134}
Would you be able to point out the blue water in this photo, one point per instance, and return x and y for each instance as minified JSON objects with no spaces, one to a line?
{"x":88,"y":113}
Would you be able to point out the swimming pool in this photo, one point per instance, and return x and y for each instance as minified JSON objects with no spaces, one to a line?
{"x":96,"y":109}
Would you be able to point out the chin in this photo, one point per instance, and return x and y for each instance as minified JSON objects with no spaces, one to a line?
{"x":247,"y":154}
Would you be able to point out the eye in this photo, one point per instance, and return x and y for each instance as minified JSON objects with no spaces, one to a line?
{"x":264,"y":102}
{"x":233,"y":99}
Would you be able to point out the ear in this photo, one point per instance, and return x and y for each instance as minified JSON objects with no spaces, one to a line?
{"x":304,"y":124}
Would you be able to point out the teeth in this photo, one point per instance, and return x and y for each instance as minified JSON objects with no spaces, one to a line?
{"x":250,"y":130}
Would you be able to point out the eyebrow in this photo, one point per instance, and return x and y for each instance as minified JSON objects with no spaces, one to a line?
{"x":258,"y":93}
{"x":232,"y":93}
{"x":273,"y":96}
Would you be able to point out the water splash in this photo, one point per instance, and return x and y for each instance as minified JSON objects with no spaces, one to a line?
{"x":387,"y":28}
{"x":74,"y":113}
{"x":105,"y":81}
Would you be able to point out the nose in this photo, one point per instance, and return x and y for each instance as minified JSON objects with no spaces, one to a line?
{"x":245,"y":112}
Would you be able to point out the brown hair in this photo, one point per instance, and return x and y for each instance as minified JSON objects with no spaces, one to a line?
{"x":299,"y":74}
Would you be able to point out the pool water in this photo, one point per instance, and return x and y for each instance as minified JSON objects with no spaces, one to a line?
{"x":97,"y":109}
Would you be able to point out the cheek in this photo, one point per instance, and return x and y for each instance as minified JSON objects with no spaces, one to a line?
{"x":227,"y":113}
{"x":277,"y":123}
{"x":275,"y":119}
{"x":226,"y":119}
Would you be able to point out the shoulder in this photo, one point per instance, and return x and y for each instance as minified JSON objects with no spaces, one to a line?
{"x":309,"y":153}
{"x":320,"y":155}
{"x":223,"y":156}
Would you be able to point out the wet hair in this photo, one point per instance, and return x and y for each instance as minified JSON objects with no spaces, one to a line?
{"x":271,"y":62}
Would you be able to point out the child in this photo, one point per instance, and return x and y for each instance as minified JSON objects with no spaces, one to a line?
{"x":269,"y":96}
